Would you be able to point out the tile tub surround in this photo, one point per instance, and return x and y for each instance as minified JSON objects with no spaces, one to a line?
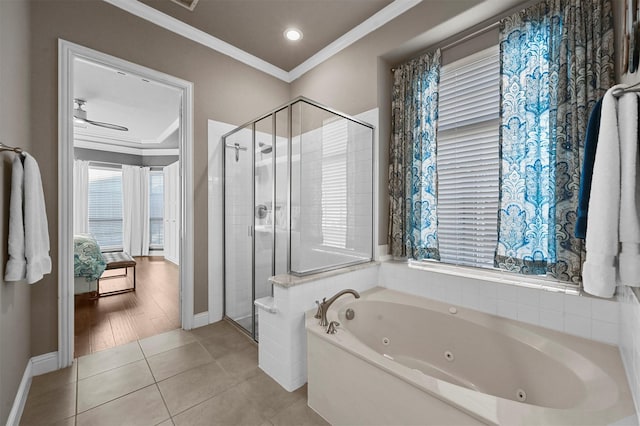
{"x":584,"y":316}
{"x":283,"y":343}
{"x":206,"y":376}
{"x":282,"y":352}
{"x":630,"y":339}
{"x":616,"y":322}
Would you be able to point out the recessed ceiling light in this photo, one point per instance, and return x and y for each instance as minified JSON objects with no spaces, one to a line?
{"x":293,"y":34}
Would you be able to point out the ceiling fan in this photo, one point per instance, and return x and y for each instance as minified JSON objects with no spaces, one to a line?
{"x":80,"y":116}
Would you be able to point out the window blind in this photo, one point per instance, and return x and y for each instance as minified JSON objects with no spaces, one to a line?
{"x":468,"y":159}
{"x":105,"y":207}
{"x":334,"y":183}
{"x":156,"y":209}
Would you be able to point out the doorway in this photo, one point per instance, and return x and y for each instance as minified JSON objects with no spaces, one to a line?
{"x":149,"y":155}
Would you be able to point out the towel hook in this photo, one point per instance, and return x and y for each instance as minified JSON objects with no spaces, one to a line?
{"x":4,"y":147}
{"x":622,"y":90}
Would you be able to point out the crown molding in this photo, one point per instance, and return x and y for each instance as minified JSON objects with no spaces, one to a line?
{"x":172,"y":24}
{"x":166,"y":133}
{"x":80,"y":142}
{"x":390,"y":12}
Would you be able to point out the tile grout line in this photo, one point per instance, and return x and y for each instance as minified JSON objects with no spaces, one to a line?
{"x":115,"y":399}
{"x":156,"y":383}
{"x":120,"y":396}
{"x":210,"y":398}
{"x":165,"y":404}
{"x":282,"y":410}
{"x":214,"y":359}
{"x":146,"y":360}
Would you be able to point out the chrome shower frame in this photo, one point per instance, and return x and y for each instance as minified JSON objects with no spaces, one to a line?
{"x":252,"y":123}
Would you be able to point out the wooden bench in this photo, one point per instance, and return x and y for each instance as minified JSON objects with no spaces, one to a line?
{"x":118,"y":260}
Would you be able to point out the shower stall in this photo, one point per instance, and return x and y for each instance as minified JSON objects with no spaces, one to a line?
{"x":298,"y":199}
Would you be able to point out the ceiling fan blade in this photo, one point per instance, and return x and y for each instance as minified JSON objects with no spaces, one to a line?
{"x":108,"y":125}
{"x":102,"y":124}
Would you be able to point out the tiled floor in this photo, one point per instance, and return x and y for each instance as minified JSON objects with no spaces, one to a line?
{"x":208,"y":376}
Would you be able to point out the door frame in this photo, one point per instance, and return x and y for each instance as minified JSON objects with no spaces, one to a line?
{"x":67,"y":53}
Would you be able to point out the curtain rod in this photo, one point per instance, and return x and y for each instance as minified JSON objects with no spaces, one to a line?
{"x":481,"y":27}
{"x":106,"y":163}
{"x":460,"y":40}
{"x":469,"y":36}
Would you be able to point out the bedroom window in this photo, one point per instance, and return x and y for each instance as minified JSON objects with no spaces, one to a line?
{"x":156,"y":210}
{"x":105,"y":207}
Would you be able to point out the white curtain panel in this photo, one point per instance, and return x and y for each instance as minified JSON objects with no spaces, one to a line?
{"x":144,"y":210}
{"x":135,"y":219}
{"x":80,"y":197}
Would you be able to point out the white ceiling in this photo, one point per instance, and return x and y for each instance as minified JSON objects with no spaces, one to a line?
{"x":149,"y":109}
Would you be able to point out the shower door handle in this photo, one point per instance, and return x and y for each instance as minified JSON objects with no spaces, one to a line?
{"x":250,"y":230}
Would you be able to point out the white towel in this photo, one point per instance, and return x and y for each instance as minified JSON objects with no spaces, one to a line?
{"x":28,"y":228}
{"x":599,"y":269}
{"x":16,"y":269}
{"x":629,"y":258}
{"x":36,"y":228}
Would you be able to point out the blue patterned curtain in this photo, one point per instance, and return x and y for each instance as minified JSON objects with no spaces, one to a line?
{"x":412,"y":170}
{"x":557,"y":60}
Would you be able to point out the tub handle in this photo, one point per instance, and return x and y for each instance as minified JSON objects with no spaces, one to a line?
{"x":318,"y":314}
{"x":333,"y":327}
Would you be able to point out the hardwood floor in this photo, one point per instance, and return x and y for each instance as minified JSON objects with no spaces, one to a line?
{"x":114,"y":320}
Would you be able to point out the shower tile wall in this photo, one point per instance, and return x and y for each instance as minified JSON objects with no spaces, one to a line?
{"x":263,"y":194}
{"x":360,"y":190}
{"x":338,"y":155}
{"x":239,"y":216}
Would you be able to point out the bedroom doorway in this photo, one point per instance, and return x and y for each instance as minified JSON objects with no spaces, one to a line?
{"x":126,"y":139}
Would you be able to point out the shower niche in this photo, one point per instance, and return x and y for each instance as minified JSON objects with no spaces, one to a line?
{"x":298,"y":199}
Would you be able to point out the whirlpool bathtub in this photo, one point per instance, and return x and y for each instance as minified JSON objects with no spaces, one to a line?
{"x":403,"y":359}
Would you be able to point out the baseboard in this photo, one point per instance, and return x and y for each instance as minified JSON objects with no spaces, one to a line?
{"x":44,"y":363}
{"x":21,"y":396}
{"x":201,"y":319}
{"x":36,"y":366}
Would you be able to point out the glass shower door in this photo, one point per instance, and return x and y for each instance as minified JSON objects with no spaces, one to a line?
{"x":264,"y":209}
{"x":239,"y":294}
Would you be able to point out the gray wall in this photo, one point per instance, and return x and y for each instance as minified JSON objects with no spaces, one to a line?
{"x":119,"y":158}
{"x":15,"y":308}
{"x":225,"y":90}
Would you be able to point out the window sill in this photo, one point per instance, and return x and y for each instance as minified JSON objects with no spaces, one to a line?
{"x":496,"y":276}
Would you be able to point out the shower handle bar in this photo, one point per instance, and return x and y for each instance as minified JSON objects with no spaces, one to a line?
{"x":237,"y":147}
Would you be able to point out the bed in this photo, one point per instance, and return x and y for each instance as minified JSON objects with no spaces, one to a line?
{"x":88,"y":263}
